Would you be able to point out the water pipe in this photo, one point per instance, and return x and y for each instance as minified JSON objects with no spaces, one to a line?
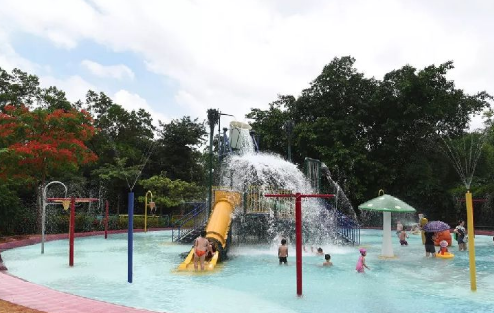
{"x":213,"y":118}
{"x":71,"y":231}
{"x":471,"y":241}
{"x":130,"y":236}
{"x":106,"y":218}
{"x":146,"y":208}
{"x":43,"y":213}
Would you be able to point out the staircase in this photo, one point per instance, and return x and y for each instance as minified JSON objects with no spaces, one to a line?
{"x":189,"y":227}
{"x":347,"y":228}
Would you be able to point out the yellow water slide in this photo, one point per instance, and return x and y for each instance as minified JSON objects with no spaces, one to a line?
{"x":217,"y":228}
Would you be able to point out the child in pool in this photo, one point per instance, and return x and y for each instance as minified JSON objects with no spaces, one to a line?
{"x":283,"y":252}
{"x":444,"y":247}
{"x":328,"y":262}
{"x":403,"y":238}
{"x":361,"y":261}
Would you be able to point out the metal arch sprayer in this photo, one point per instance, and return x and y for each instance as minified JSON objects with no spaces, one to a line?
{"x":43,"y":214}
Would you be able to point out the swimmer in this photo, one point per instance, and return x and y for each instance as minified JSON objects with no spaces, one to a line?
{"x":327,"y":261}
{"x":318,"y":252}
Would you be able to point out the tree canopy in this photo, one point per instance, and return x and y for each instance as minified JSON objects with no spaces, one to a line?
{"x":377,"y":134}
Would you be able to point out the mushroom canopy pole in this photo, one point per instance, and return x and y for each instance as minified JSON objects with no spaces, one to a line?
{"x":386,"y":204}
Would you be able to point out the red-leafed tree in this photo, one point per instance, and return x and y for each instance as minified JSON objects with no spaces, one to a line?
{"x":41,"y":143}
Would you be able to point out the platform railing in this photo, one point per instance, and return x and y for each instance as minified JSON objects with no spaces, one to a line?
{"x":190,"y":222}
{"x":347,"y":228}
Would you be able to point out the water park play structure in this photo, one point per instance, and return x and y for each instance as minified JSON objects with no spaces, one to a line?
{"x":249,"y":177}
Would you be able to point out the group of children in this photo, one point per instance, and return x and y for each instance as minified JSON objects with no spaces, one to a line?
{"x":283,"y":255}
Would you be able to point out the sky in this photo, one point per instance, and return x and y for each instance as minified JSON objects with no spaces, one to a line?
{"x":180,"y":58}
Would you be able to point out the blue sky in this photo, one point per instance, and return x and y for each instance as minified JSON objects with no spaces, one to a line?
{"x":176,"y":58}
{"x":158,"y":90}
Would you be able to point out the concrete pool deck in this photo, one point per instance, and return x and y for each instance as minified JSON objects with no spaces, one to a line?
{"x":18,"y":291}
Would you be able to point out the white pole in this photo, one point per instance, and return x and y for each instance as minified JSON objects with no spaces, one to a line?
{"x":387,"y":247}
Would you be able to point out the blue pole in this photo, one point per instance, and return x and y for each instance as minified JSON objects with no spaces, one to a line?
{"x":130,"y":237}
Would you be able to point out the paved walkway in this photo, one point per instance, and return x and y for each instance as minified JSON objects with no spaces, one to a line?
{"x":41,"y":298}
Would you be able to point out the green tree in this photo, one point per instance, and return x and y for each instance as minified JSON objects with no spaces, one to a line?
{"x":177,"y":152}
{"x":38,"y":144}
{"x":18,"y":88}
{"x":172,"y":193}
{"x":124,"y":142}
{"x":376,"y":134}
{"x":267,"y":124}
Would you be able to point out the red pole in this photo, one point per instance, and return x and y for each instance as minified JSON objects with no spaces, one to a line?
{"x":71,"y":231}
{"x":298,"y":232}
{"x":106,"y":219}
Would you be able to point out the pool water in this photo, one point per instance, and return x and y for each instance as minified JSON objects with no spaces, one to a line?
{"x":252,"y":281}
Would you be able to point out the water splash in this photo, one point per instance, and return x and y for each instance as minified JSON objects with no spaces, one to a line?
{"x":138,"y":168}
{"x":241,"y":140}
{"x":464,"y":152}
{"x":342,"y":202}
{"x":270,"y":173}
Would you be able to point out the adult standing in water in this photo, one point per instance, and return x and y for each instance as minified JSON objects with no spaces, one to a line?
{"x":201,"y":246}
{"x":460,"y":235}
{"x":430,"y":249}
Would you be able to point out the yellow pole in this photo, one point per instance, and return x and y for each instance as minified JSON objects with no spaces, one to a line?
{"x":146,"y":209}
{"x":471,"y":240}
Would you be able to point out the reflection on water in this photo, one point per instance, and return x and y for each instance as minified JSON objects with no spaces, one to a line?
{"x":252,"y":281}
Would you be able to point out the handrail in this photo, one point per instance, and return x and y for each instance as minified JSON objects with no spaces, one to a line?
{"x":346,"y":227}
{"x":197,"y":221}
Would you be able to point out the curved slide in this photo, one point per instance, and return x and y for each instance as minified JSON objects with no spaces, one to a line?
{"x":217,"y":228}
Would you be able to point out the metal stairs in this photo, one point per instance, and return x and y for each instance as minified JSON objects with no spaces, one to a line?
{"x":188,"y":228}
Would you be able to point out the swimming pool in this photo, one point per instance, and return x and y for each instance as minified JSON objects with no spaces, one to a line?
{"x":252,"y":281}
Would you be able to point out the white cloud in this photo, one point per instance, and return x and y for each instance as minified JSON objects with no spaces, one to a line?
{"x":75,"y":87}
{"x":119,"y":71}
{"x":235,"y":55}
{"x":132,"y":101}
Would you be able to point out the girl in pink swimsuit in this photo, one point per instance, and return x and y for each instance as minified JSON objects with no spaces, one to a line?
{"x":361,"y":261}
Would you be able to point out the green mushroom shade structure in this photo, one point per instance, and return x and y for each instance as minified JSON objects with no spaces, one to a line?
{"x":386,"y":204}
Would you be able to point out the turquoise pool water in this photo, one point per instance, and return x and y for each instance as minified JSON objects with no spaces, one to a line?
{"x":252,"y":281}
